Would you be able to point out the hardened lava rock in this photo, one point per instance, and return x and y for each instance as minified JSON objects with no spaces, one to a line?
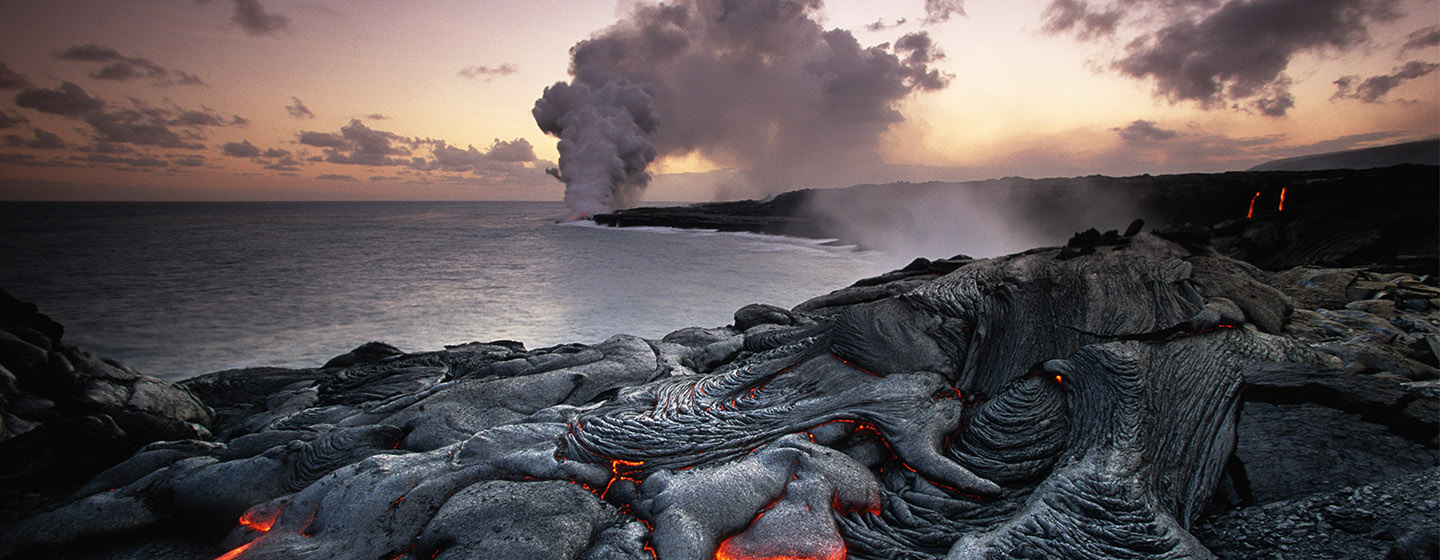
{"x":1029,"y":405}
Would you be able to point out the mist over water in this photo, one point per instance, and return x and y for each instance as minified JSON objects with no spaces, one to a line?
{"x":179,"y":289}
{"x":978,"y":219}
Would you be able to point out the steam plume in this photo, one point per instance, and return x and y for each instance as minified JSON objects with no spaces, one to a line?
{"x":752,"y":85}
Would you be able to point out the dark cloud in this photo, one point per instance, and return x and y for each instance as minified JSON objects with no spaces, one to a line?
{"x":489,"y":72}
{"x":921,"y":48}
{"x":1422,"y":39}
{"x":881,"y":24}
{"x":321,"y":139}
{"x":136,"y":161}
{"x":1144,"y":132}
{"x":276,"y":153}
{"x":336,"y":177}
{"x":68,"y":101}
{"x":188,"y":160}
{"x":357,"y":144}
{"x":107,"y":148}
{"x":937,"y":11}
{"x":1075,"y":16}
{"x":517,"y":150}
{"x":1375,"y":88}
{"x":376,"y":117}
{"x":8,"y":120}
{"x":253,"y":18}
{"x":119,"y":67}
{"x":130,"y":126}
{"x":166,"y":127}
{"x":500,"y":155}
{"x":757,"y":85}
{"x":298,"y":109}
{"x":241,"y":149}
{"x":43,"y":140}
{"x":1239,"y":52}
{"x":1221,"y":53}
{"x":10,"y":79}
{"x":90,"y":52}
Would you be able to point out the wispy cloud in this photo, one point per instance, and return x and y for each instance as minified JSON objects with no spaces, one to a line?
{"x":1375,"y":88}
{"x":297,"y":109}
{"x":118,"y":67}
{"x":254,"y":20}
{"x":489,"y":72}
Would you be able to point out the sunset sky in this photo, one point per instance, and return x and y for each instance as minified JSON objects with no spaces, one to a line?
{"x":429,"y":99}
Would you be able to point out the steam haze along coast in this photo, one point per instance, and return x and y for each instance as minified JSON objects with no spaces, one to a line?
{"x":970,"y":279}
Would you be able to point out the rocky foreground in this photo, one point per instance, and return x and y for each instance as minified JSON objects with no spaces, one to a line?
{"x":1136,"y":394}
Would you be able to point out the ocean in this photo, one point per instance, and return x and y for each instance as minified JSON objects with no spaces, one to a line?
{"x":178,"y":289}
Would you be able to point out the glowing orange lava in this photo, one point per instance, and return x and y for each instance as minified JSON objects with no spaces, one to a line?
{"x":232,"y":555}
{"x":615,"y":474}
{"x":259,"y":520}
{"x":1251,"y":213}
{"x":1282,"y":199}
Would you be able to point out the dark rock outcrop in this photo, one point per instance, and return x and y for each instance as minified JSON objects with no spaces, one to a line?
{"x":1136,"y":395}
{"x":66,"y":414}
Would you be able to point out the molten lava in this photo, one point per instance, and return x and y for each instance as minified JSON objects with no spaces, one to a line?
{"x":1251,"y":213}
{"x":1282,"y":199}
{"x":232,"y":555}
{"x":259,"y":520}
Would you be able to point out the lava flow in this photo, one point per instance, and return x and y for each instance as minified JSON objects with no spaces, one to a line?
{"x":259,"y":520}
{"x":232,"y":555}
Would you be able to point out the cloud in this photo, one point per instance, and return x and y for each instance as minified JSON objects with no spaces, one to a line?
{"x":881,"y":25}
{"x":188,"y":160}
{"x":297,"y":109}
{"x":10,"y":79}
{"x":1422,"y":38}
{"x":1075,"y":16}
{"x":756,"y":85}
{"x":321,"y":139}
{"x":939,"y":11}
{"x":8,"y":120}
{"x":241,"y":149}
{"x":336,"y":177}
{"x":135,"y":162}
{"x":488,"y":72}
{"x":253,"y":18}
{"x":1374,"y":88}
{"x":1144,"y":132}
{"x":376,"y":117}
{"x":276,"y":153}
{"x":921,"y":48}
{"x":68,"y":101}
{"x":1220,"y":53}
{"x":499,"y":155}
{"x":517,"y":150}
{"x":357,"y":144}
{"x":43,"y":141}
{"x":130,"y":126}
{"x":118,"y":67}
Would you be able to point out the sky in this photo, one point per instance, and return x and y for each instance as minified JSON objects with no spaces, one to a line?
{"x":685,"y":100}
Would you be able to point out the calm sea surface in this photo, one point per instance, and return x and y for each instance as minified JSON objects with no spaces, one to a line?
{"x":179,"y":289}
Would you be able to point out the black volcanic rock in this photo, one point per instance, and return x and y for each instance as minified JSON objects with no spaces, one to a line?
{"x":66,"y":414}
{"x":1136,"y":396}
{"x":1334,"y":218}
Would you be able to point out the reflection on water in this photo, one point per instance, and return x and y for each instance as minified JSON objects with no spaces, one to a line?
{"x":178,"y":289}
